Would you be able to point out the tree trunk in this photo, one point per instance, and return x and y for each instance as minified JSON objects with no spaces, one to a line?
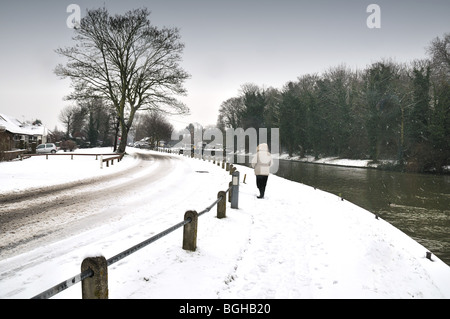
{"x":123,"y":140}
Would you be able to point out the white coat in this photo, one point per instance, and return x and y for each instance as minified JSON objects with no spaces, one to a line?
{"x":262,"y":161}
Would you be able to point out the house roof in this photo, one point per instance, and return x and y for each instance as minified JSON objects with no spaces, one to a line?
{"x":14,"y":126}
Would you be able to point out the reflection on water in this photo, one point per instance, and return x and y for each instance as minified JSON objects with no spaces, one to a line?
{"x":417,"y":204}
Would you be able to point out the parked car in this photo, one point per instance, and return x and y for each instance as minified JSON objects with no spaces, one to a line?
{"x":142,"y":144}
{"x":46,"y":148}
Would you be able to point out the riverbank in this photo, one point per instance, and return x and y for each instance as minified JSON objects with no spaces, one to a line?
{"x":390,"y":165}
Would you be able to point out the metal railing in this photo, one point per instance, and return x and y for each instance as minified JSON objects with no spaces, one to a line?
{"x":89,"y":273}
{"x":98,"y":287}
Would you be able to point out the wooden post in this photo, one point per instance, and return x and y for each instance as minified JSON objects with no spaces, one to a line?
{"x":95,"y":287}
{"x":230,"y":192}
{"x":190,"y":231}
{"x":221,"y":205}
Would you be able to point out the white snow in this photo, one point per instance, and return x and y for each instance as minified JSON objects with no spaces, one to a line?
{"x":333,"y":161}
{"x":38,"y":171}
{"x":296,"y":243}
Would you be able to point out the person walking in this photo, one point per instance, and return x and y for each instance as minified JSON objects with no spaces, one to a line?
{"x":262,"y":162}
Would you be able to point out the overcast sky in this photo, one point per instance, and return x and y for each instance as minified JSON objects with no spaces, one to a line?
{"x":228,"y":43}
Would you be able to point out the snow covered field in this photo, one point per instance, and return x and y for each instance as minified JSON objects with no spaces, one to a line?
{"x":298,"y":242}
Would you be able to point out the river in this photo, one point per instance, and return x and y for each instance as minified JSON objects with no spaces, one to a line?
{"x":417,"y":204}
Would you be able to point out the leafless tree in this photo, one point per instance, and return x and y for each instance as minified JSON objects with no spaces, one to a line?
{"x":439,"y":50}
{"x":73,"y":119}
{"x":126,"y":60}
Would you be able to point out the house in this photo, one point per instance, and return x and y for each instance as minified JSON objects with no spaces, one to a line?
{"x":17,"y":135}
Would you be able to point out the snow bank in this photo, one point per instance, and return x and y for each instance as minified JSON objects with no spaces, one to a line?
{"x":330,"y":161}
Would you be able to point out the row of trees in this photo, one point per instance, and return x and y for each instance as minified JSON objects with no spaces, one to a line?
{"x":92,"y":123}
{"x":386,"y":111}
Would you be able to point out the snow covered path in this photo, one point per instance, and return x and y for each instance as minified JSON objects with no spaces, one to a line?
{"x":296,"y":243}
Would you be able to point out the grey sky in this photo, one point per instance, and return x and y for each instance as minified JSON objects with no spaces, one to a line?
{"x":228,"y":43}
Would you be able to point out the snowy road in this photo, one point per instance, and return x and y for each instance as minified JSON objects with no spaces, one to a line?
{"x":29,"y":219}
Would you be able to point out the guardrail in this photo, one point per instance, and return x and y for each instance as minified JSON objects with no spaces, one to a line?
{"x":94,"y":270}
{"x":102,"y":160}
{"x":72,"y":155}
{"x":108,"y":159}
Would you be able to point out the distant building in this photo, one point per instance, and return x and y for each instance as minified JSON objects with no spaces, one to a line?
{"x":17,"y":135}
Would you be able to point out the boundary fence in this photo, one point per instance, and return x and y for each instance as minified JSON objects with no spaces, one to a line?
{"x":94,"y":270}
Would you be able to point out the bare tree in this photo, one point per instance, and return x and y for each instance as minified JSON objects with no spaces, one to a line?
{"x":230,"y":113}
{"x":439,"y":50}
{"x":66,"y":117}
{"x":126,"y":60}
{"x":73,"y":118}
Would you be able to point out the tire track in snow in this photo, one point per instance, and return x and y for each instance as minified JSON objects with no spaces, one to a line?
{"x":29,"y":217}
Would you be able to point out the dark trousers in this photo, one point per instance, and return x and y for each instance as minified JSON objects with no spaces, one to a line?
{"x":261,"y":182}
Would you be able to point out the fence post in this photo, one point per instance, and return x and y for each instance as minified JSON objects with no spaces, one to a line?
{"x":222,"y":205}
{"x":235,"y":190}
{"x":190,"y":231}
{"x":230,"y":192}
{"x":95,"y":287}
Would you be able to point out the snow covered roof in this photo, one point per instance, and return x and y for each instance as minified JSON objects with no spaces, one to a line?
{"x":14,"y":126}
